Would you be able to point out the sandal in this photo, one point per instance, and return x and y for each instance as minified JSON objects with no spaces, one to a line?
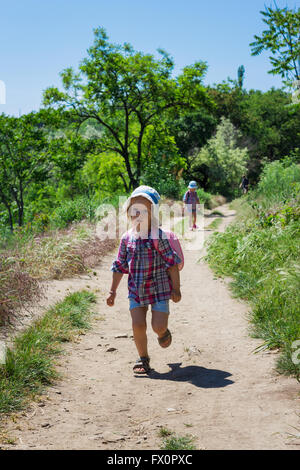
{"x":167,"y":337}
{"x":142,"y":363}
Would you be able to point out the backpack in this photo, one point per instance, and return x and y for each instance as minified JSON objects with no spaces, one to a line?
{"x":175,"y":245}
{"x":187,"y":197}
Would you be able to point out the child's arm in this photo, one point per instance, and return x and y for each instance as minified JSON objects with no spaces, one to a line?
{"x":119,"y":267}
{"x":175,"y":278}
{"x":116,"y":279}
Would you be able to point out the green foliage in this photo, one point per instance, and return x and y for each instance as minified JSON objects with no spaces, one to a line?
{"x":224,"y":161}
{"x":159,"y":178}
{"x":23,"y":159}
{"x":268,"y":122}
{"x":282,"y":40}
{"x":125,"y":91}
{"x":261,"y":251}
{"x":192,"y":129}
{"x":30,"y":365}
{"x":215,"y":224}
{"x":204,"y":197}
{"x":72,"y":210}
{"x":105,"y":172}
{"x":163,"y":163}
{"x":171,"y":441}
{"x":282,"y":216}
{"x":279,"y":181}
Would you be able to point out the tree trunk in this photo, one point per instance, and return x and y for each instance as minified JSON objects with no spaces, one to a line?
{"x":133,"y":182}
{"x":124,"y":182}
{"x":139,"y":154}
{"x":21,"y":206}
{"x":11,"y":224}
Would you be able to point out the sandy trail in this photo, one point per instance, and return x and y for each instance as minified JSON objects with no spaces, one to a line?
{"x":208,"y":383}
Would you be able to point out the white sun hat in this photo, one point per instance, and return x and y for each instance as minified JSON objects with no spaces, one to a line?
{"x":145,"y":191}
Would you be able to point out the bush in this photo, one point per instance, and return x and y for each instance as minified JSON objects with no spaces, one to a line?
{"x":205,"y":198}
{"x":72,"y":211}
{"x":222,"y":160}
{"x":279,"y":181}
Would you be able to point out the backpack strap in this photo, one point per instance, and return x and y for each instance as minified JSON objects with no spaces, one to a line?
{"x":173,"y":240}
{"x":187,"y":198}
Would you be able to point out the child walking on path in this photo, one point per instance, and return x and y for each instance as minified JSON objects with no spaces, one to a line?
{"x":191,"y":200}
{"x":153,"y":275}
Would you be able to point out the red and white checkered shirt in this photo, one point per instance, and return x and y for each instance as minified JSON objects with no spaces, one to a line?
{"x":148,"y":280}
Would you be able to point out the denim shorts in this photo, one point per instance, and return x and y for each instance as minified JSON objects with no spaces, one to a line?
{"x":161,"y":306}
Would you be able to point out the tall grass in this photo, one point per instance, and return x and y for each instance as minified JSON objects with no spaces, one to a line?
{"x":27,"y":257}
{"x":261,"y":252}
{"x":278,"y":182}
{"x":30,"y":364}
{"x":16,"y":286}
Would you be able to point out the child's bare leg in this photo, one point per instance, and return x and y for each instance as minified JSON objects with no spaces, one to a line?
{"x":159,"y":322}
{"x":194,"y":218}
{"x":139,"y":327}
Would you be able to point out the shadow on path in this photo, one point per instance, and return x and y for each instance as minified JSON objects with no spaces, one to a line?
{"x":198,"y":376}
{"x":215,"y":216}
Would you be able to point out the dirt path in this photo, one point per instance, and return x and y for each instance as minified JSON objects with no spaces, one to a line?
{"x":208,"y":383}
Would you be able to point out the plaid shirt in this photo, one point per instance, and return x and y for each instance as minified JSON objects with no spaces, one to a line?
{"x":148,"y":280}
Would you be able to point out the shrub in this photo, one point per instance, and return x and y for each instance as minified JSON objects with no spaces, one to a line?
{"x":71,"y":211}
{"x":279,"y":182}
{"x":224,"y":162}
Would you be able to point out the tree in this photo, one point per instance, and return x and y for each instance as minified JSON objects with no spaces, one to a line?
{"x":221,"y":160}
{"x":282,"y":38}
{"x":191,"y":130}
{"x":269,"y":124}
{"x":241,"y":75}
{"x":228,"y":98}
{"x":163,"y":162}
{"x":23,"y":159}
{"x":125,"y":91}
{"x":105,"y":174}
{"x":69,"y":152}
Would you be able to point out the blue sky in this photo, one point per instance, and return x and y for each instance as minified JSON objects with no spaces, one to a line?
{"x":39,"y":38}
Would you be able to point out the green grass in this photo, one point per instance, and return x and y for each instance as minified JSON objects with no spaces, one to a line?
{"x":261,"y":252}
{"x":171,"y":441}
{"x":214,"y":224}
{"x":264,"y":263}
{"x":30,"y":364}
